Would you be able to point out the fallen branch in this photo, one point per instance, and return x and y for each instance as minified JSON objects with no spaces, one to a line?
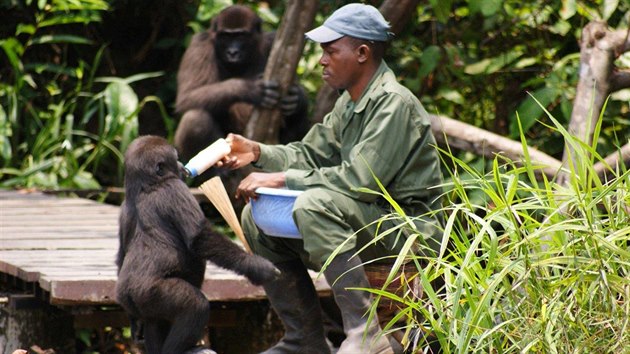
{"x":482,"y":142}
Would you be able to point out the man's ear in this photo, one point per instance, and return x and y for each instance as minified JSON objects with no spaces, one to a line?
{"x":363,"y":53}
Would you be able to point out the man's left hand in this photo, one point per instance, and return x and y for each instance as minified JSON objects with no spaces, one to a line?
{"x":247,"y":188}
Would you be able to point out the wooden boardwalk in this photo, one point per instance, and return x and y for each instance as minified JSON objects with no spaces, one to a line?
{"x":64,"y":249}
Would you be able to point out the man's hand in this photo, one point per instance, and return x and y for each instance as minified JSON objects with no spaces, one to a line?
{"x":247,"y":188}
{"x":243,"y":152}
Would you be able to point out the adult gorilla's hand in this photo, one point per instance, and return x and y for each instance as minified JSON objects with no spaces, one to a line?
{"x":290,"y":102}
{"x":269,"y":93}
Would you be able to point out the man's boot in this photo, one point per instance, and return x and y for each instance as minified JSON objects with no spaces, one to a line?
{"x":294,"y":298}
{"x":345,"y":271}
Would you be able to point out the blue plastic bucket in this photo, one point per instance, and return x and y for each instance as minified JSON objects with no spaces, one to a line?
{"x":273,"y":212}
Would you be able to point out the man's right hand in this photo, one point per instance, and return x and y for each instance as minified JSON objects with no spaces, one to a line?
{"x":243,"y":152}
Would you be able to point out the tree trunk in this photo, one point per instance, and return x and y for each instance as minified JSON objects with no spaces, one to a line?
{"x":398,"y":13}
{"x":598,"y":50}
{"x":283,"y":60}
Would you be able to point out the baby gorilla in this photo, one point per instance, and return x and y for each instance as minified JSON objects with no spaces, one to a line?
{"x":165,"y":241}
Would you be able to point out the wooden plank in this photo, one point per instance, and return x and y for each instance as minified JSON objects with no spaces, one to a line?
{"x":36,"y":218}
{"x":52,"y":201}
{"x":23,"y":255}
{"x":67,"y":246}
{"x":61,"y":229}
{"x":43,"y":235}
{"x":59,"y":244}
{"x":13,"y":194}
{"x":61,"y":214}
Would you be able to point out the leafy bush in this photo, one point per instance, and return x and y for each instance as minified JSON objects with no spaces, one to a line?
{"x":60,"y":124}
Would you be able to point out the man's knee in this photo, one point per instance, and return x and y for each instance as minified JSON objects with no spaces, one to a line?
{"x":314,"y":199}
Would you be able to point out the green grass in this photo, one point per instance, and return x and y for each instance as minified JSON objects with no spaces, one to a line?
{"x":527,"y":265}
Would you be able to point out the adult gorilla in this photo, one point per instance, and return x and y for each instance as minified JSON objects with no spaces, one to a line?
{"x":219,"y":82}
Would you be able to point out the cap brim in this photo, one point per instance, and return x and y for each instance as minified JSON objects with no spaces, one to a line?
{"x":323,"y":34}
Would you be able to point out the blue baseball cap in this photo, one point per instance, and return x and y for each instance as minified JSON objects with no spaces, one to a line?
{"x":354,"y":20}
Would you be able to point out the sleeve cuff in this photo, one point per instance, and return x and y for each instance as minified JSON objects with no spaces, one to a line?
{"x":263,"y":158}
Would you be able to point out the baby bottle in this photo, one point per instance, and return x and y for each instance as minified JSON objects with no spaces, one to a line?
{"x":207,"y":157}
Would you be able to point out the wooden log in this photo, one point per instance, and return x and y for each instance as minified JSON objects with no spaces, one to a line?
{"x":463,"y":136}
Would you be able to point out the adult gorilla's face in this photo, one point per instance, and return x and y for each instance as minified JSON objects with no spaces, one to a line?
{"x":237,"y":32}
{"x":234,"y":48}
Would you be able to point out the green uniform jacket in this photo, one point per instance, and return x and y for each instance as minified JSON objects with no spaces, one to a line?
{"x":387,"y":133}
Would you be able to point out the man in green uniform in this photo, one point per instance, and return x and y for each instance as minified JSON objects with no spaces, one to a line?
{"x":377,"y":128}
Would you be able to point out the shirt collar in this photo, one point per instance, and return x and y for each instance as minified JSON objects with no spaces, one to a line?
{"x":375,"y":81}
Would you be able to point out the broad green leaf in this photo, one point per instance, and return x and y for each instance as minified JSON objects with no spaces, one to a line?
{"x":442,"y":9}
{"x":24,"y":28}
{"x":530,"y":111}
{"x":490,"y":7}
{"x":608,"y":8}
{"x":121,"y":100}
{"x":621,"y":95}
{"x":5,"y":134}
{"x":492,"y":65}
{"x":568,"y":9}
{"x":451,"y":95}
{"x":130,"y":79}
{"x":430,"y":58}
{"x":63,"y":19}
{"x":475,"y":5}
{"x":85,"y":180}
{"x":14,"y":50}
{"x":561,"y":27}
{"x":60,"y":38}
{"x":525,"y":62}
{"x":50,"y":67}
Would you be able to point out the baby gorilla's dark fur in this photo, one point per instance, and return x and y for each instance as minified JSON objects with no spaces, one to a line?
{"x":165,"y":241}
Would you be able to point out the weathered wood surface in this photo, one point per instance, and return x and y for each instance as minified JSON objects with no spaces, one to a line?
{"x":67,"y":246}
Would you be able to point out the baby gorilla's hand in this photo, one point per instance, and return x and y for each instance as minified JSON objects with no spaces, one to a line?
{"x":261,"y":270}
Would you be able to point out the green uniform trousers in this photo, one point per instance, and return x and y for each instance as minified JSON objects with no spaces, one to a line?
{"x":325,"y":220}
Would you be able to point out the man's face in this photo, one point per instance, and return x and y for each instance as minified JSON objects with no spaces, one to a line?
{"x":339,"y":60}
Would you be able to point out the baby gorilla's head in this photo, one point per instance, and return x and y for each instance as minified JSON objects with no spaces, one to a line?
{"x":151,"y":159}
